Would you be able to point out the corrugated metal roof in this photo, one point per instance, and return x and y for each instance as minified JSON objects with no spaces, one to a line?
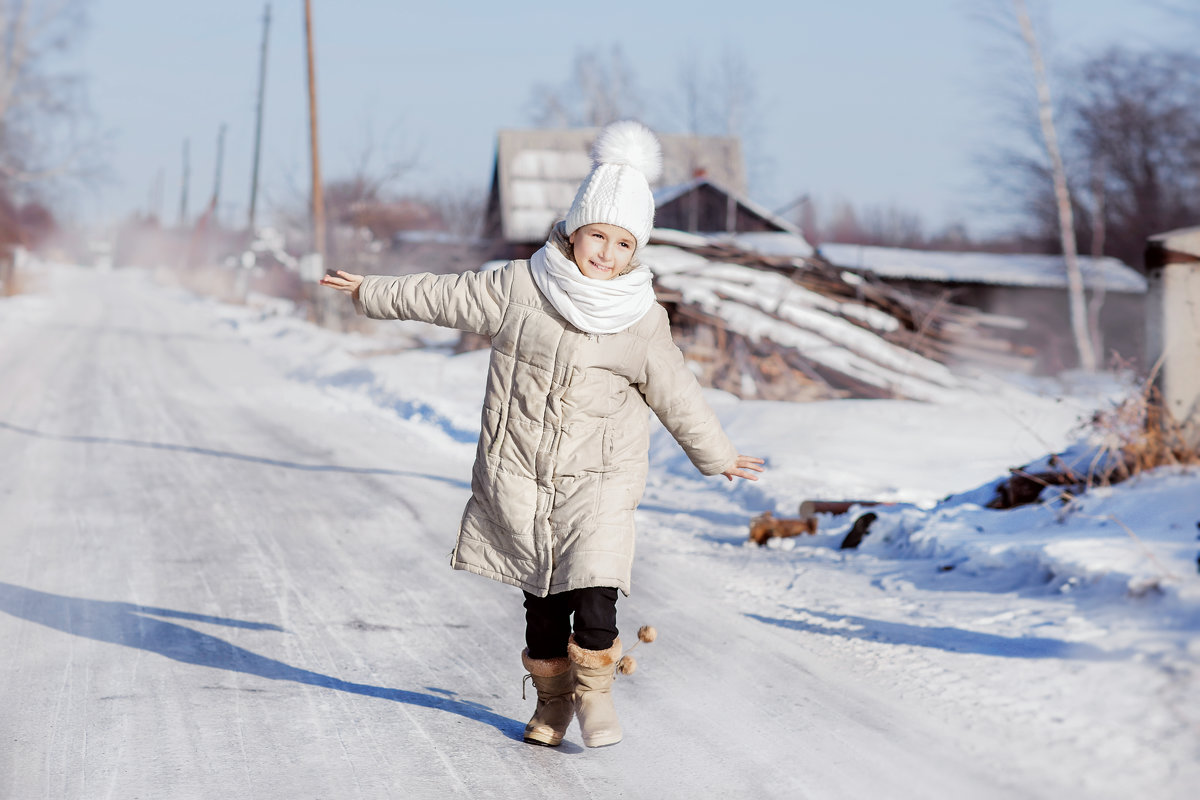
{"x":997,"y":269}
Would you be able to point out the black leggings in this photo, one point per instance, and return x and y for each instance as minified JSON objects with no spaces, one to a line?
{"x":548,"y":621}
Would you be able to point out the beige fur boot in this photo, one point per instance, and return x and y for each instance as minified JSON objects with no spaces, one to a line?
{"x":555,"y":706}
{"x":594,"y":672}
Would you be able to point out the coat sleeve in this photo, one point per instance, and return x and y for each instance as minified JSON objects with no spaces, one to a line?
{"x":472,"y":301}
{"x":673,"y":393}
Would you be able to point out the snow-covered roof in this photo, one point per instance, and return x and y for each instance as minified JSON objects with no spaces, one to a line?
{"x":1183,"y":240}
{"x":538,"y":171}
{"x":770,"y":243}
{"x":778,"y":244}
{"x":998,"y":269}
{"x":434,"y":237}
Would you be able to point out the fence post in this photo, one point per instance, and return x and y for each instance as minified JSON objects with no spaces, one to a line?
{"x":1173,"y":322}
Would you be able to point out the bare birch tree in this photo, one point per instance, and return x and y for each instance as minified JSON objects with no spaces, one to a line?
{"x":1066,"y":218}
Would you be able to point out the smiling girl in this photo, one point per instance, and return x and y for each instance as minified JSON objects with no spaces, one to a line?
{"x":580,"y":350}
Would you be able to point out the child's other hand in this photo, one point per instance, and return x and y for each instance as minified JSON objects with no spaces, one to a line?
{"x":744,"y":464}
{"x":346,"y":282}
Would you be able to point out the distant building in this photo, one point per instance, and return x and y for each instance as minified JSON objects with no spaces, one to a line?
{"x":1027,"y":287}
{"x":702,"y":205}
{"x":536,"y":174}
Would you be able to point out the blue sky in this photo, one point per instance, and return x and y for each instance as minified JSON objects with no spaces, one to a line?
{"x":868,"y":101}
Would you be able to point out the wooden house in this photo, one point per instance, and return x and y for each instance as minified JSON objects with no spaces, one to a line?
{"x":537,"y":172}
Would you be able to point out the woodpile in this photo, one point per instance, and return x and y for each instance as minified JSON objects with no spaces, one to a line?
{"x":891,"y":342}
{"x":767,"y":526}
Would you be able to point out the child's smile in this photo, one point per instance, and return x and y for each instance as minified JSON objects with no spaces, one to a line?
{"x":602,"y":251}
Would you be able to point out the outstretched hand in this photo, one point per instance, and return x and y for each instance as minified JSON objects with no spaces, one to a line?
{"x":346,"y":282}
{"x":743,"y":467}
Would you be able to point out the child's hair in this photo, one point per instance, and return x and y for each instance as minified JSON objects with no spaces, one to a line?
{"x":561,"y":240}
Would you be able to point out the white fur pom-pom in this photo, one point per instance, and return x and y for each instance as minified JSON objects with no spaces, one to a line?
{"x":632,"y":144}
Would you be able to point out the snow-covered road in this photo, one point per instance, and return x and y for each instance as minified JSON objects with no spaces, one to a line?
{"x":220,"y":581}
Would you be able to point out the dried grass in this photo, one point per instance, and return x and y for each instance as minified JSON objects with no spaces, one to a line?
{"x":1137,"y":435}
{"x":14,"y":282}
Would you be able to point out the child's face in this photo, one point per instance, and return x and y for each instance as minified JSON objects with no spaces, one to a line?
{"x":602,"y":251}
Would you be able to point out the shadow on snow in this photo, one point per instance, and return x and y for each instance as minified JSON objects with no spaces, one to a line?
{"x":954,"y":640}
{"x":204,"y":451}
{"x":138,"y":626}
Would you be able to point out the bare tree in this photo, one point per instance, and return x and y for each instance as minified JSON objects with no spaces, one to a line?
{"x":893,"y":226}
{"x":1135,"y":118}
{"x":376,"y":168}
{"x":719,"y":97}
{"x":601,"y":89}
{"x":44,"y":131}
{"x":877,"y":225}
{"x":1037,"y":176}
{"x":844,"y":226}
{"x":366,"y":195}
{"x":461,"y":209}
{"x":1062,"y":197}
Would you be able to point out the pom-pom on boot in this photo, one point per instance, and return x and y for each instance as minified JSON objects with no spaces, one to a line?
{"x":594,"y":671}
{"x":555,"y":699}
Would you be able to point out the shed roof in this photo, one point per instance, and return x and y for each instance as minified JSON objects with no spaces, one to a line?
{"x":669,"y":194}
{"x":997,"y":269}
{"x":537,"y":173}
{"x":1183,"y":240}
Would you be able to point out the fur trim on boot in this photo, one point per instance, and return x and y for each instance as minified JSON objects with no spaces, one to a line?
{"x":555,"y":699}
{"x":594,"y":671}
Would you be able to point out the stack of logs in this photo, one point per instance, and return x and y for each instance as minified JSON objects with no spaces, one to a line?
{"x":929,"y":325}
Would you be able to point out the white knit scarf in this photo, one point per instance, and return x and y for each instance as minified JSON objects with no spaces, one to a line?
{"x":593,"y":306}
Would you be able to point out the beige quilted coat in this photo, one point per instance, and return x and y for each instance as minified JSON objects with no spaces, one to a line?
{"x":563,"y":446}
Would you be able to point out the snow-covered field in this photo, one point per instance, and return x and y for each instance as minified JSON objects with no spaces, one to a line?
{"x":223,"y":541}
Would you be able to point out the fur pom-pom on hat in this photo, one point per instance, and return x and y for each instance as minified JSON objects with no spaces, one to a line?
{"x":626,"y":157}
{"x":631,"y":144}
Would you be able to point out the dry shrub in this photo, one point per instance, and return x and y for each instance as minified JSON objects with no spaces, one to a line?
{"x":1140,"y":433}
{"x":14,"y":281}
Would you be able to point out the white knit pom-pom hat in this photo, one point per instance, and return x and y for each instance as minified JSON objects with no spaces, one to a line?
{"x":626,"y":158}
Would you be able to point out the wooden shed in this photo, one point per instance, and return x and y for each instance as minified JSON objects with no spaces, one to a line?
{"x":1031,"y":288}
{"x":703,"y":205}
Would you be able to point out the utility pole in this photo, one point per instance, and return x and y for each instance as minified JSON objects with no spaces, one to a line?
{"x":183,"y":195}
{"x":262,"y":83}
{"x":216,"y":195}
{"x":318,"y":194}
